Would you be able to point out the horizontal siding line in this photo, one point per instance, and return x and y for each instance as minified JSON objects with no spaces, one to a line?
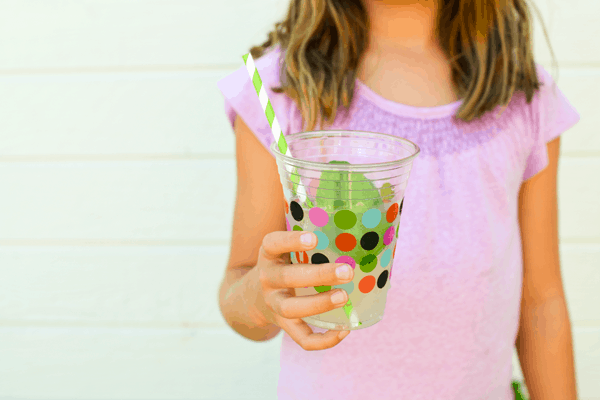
{"x":175,"y":156}
{"x":113,"y":324}
{"x":580,"y":154}
{"x":579,"y":240}
{"x":117,"y":157}
{"x":111,"y":242}
{"x":585,"y":326}
{"x":23,"y":243}
{"x":203,"y":242}
{"x":117,"y":68}
{"x":205,"y":67}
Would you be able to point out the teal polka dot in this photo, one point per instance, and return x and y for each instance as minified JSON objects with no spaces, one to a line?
{"x":371,"y":218}
{"x":344,"y":219}
{"x":322,"y":240}
{"x":386,"y":257}
{"x":348,"y":287}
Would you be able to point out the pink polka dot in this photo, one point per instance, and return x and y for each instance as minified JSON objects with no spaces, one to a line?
{"x":287,"y":224}
{"x":346,"y":260}
{"x":318,"y":216}
{"x":389,"y":235}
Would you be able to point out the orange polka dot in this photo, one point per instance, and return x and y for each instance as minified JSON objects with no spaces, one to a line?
{"x":394,"y":252}
{"x":392,"y":212}
{"x":366,"y":284}
{"x":287,"y":207}
{"x":345,"y":242}
{"x":302,"y":257}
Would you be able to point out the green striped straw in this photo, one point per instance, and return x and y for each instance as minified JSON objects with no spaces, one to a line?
{"x":283,"y":147}
{"x":274,"y":123}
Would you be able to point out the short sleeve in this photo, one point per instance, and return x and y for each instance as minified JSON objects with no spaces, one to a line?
{"x":241,"y":97}
{"x":552,"y":114}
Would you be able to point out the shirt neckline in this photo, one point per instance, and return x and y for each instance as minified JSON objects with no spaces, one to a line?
{"x":445,"y":110}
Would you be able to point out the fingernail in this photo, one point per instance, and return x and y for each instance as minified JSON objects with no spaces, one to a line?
{"x":338,"y":297}
{"x":343,"y":271}
{"x":306,"y":238}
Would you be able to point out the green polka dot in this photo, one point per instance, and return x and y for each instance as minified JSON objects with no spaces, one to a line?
{"x":338,"y":204}
{"x":322,"y":289}
{"x":345,"y":219}
{"x":398,"y":226}
{"x":368,"y":263}
{"x":297,"y":228}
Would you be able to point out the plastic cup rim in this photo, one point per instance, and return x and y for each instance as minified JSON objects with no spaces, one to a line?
{"x":343,"y":167}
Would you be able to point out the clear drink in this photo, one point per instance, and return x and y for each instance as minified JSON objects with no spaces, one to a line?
{"x":353,"y":189}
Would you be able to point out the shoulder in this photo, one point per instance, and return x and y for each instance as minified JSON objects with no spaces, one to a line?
{"x":546,"y":99}
{"x":268,"y":67}
{"x":241,"y":98}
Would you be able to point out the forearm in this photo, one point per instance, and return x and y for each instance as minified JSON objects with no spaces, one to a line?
{"x":545,"y":349}
{"x":237,"y":299}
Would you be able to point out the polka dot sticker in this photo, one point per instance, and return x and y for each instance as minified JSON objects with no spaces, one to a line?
{"x":345,"y":242}
{"x":401,"y":203}
{"x":322,"y":289}
{"x":397,"y":229}
{"x":394,"y":253}
{"x":366,"y":284}
{"x":293,"y":258}
{"x":346,"y":260}
{"x":297,"y":211}
{"x":385,"y":258}
{"x":368,"y":263}
{"x":319,"y":258}
{"x":318,"y":216}
{"x":297,"y":228}
{"x":287,"y":207}
{"x":382,"y":280}
{"x":322,"y":240}
{"x":287,"y":224}
{"x":389,"y":235}
{"x":369,"y":240}
{"x":348,"y":287}
{"x":344,"y":219}
{"x":392,"y":212}
{"x":302,"y":257}
{"x":371,"y":218}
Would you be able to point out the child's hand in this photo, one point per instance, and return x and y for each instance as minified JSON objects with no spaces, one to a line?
{"x":276,"y":298}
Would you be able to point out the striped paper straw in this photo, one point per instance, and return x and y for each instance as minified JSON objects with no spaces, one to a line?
{"x":273,"y":123}
{"x":283,"y":147}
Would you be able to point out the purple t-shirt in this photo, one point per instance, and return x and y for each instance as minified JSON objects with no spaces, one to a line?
{"x":452,"y":310}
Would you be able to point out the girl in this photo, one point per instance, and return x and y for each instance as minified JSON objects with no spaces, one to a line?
{"x":477,"y":256}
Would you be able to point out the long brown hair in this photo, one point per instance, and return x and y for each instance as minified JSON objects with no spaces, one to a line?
{"x":487,"y":42}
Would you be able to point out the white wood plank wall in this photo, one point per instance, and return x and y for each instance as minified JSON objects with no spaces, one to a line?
{"x":117,"y":179}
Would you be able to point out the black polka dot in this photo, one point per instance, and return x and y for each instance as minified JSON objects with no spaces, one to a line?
{"x":382,"y":280}
{"x":400,"y":210}
{"x":369,"y":240}
{"x":297,"y":211}
{"x":319,"y":258}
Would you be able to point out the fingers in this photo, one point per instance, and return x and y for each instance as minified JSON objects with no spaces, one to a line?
{"x":279,"y":276}
{"x":302,"y":334}
{"x":277,"y":243}
{"x":285,"y":304}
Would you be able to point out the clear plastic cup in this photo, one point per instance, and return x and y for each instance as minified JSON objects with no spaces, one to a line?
{"x":354,"y":184}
